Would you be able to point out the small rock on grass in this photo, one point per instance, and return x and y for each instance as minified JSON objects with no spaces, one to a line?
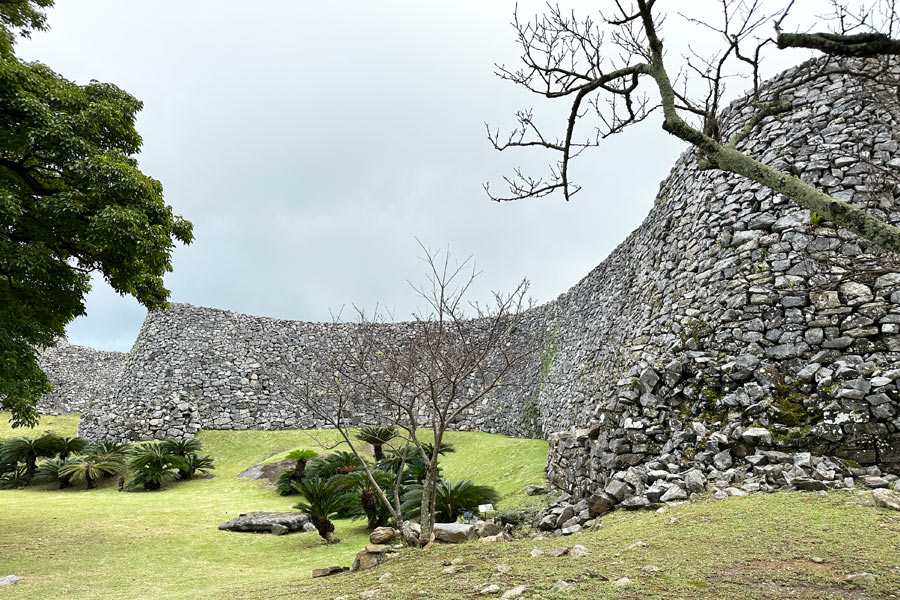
{"x":491,"y":589}
{"x":503,"y":568}
{"x":860,"y":578}
{"x":10,"y":580}
{"x":536,"y":553}
{"x":515,"y":592}
{"x":886,"y":499}
{"x":562,"y":586}
{"x":635,"y":546}
{"x":622,"y":582}
{"x":578,"y":550}
{"x":561,"y":551}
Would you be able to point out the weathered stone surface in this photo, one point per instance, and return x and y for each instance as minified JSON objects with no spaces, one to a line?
{"x":453,"y":533}
{"x":267,"y":522}
{"x":271,"y":471}
{"x":886,"y":499}
{"x":10,"y":580}
{"x":382,"y":535}
{"x":327,"y":571}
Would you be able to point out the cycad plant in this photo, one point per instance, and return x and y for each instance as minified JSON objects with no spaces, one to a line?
{"x":377,"y":437}
{"x":152,"y":465}
{"x":118,"y":450}
{"x":452,"y":499}
{"x":27,"y":451}
{"x":324,"y":499}
{"x":65,"y":446}
{"x":376,"y":513}
{"x":338,"y":463}
{"x":91,"y":469}
{"x":285,"y":479}
{"x":49,"y":472}
{"x":193,"y":464}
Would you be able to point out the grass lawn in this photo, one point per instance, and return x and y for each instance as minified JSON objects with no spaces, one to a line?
{"x":101,"y":543}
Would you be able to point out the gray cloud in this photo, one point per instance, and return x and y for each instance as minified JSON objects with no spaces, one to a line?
{"x":311,"y":143}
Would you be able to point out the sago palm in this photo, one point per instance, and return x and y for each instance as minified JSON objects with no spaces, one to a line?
{"x":338,"y":463}
{"x":91,"y":469}
{"x":27,"y":451}
{"x":323,"y":499}
{"x":296,"y":474}
{"x":376,"y":514}
{"x":152,"y":465}
{"x":452,"y":499}
{"x":65,"y":446}
{"x":48,"y":472}
{"x":377,"y":437}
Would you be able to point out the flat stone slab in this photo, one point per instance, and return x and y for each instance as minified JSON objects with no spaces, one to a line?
{"x":271,"y":471}
{"x":268,"y":522}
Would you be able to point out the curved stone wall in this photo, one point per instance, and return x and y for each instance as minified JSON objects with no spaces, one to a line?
{"x":80,"y":376}
{"x":728,"y":307}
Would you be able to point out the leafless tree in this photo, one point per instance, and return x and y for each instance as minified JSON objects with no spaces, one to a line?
{"x":599,"y":66}
{"x":424,"y":374}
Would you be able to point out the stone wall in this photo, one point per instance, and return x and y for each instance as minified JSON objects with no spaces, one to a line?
{"x":729,"y":307}
{"x":80,"y":376}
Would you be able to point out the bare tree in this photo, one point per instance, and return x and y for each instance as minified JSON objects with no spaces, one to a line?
{"x":425,"y":374}
{"x":599,"y":66}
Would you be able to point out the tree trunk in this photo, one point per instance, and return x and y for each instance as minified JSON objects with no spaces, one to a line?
{"x":426,"y":516}
{"x":326,"y":530}
{"x":299,"y":469}
{"x":370,"y":507}
{"x":378,"y":451}
{"x":91,"y":484}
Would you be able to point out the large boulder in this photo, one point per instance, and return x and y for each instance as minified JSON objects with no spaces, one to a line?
{"x":453,"y":533}
{"x":268,"y":522}
{"x":271,"y":471}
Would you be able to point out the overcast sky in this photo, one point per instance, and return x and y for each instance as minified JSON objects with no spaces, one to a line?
{"x":310,"y":143}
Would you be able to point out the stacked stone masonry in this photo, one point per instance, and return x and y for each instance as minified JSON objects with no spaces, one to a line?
{"x":729,"y":309}
{"x":80,"y":376}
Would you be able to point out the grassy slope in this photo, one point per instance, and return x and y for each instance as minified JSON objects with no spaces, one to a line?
{"x":104,"y":544}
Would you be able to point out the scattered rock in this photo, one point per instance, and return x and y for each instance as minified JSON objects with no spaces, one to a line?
{"x":267,"y":522}
{"x":453,"y":533}
{"x":10,"y":580}
{"x":562,"y":586}
{"x":622,"y":582}
{"x":635,"y":546}
{"x":536,"y":490}
{"x":561,"y":551}
{"x":515,"y":592}
{"x":578,"y":551}
{"x":491,"y":589}
{"x":860,"y":578}
{"x":886,"y":499}
{"x":385,"y":577}
{"x":537,"y":552}
{"x":327,"y":571}
{"x":382,"y":535}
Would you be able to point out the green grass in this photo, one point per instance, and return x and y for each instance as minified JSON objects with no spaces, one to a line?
{"x":106,"y":544}
{"x":103,"y":544}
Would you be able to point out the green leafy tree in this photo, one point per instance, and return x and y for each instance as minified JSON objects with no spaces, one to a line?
{"x":27,"y":451}
{"x":72,"y":202}
{"x":324,"y":499}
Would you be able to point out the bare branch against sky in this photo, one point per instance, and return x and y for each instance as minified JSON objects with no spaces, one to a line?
{"x":311,"y":143}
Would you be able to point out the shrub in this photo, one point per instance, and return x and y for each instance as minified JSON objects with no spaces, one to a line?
{"x":27,"y":451}
{"x":339,"y":463}
{"x":323,"y":500}
{"x":377,"y":437}
{"x":91,"y":468}
{"x":452,"y":498}
{"x":152,"y":466}
{"x":48,"y":472}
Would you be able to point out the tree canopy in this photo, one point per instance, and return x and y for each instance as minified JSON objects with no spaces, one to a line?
{"x":72,"y":202}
